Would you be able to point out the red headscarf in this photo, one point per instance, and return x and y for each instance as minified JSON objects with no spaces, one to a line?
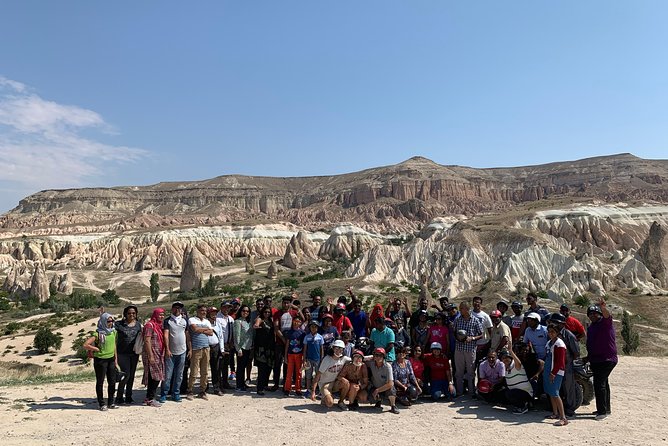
{"x":156,"y":326}
{"x":376,"y":313}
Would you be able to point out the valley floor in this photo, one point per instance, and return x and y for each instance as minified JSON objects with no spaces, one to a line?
{"x":65,"y":413}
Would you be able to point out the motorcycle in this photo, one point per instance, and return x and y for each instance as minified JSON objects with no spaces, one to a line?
{"x":584,"y":382}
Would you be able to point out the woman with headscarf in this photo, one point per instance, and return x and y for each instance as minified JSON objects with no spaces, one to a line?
{"x":375,"y":314}
{"x":127,"y":331}
{"x":264,"y":344}
{"x":153,"y":356}
{"x":105,"y":362}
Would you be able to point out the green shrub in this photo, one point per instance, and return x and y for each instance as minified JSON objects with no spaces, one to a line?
{"x":45,"y":339}
{"x":582,"y":301}
{"x":542,"y":294}
{"x":12,"y":328}
{"x":81,"y":299}
{"x":111,"y":297}
{"x":209,"y":288}
{"x":154,"y":287}
{"x":77,"y":346}
{"x":317,"y":291}
{"x":629,"y":334}
{"x":289,"y":282}
{"x":635,"y":290}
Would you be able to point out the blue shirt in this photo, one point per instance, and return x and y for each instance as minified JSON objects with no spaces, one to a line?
{"x":538,"y":339}
{"x":314,"y":342}
{"x":383,"y":339}
{"x":295,"y":340}
{"x":199,"y":340}
{"x":359,"y":323}
{"x":329,"y":335}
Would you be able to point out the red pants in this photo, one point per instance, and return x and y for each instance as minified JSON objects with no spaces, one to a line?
{"x":294,"y":366}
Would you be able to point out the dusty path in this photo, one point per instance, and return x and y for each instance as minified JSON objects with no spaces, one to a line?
{"x":66,"y":413}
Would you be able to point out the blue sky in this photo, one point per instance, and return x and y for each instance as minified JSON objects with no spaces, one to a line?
{"x":133,"y":93}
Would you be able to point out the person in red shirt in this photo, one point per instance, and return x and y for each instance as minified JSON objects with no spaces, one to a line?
{"x":440,"y":375}
{"x":573,"y":325}
{"x":282,"y":323}
{"x":417,"y":362}
{"x":340,"y":320}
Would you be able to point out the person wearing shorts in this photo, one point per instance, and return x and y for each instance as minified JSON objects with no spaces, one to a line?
{"x":329,"y":369}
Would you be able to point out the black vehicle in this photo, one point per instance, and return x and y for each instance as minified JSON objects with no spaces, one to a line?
{"x":585,"y":383}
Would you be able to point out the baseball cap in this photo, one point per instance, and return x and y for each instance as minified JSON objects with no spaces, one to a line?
{"x":338,"y":343}
{"x":379,"y":350}
{"x":535,"y":316}
{"x":436,"y":345}
{"x":178,"y":304}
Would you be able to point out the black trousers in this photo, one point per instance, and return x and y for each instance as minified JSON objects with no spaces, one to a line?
{"x":278,"y":364}
{"x":184,"y":381}
{"x":517,"y":397}
{"x":216,"y":363}
{"x":263,"y":372}
{"x":152,"y":386}
{"x":601,"y":371}
{"x":241,"y":369}
{"x":127,"y":362}
{"x":105,"y":368}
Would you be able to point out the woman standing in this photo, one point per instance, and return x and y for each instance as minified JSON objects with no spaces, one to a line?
{"x":264,"y":345}
{"x":127,"y":331}
{"x":602,"y":351}
{"x":243,"y":341}
{"x":553,"y":374}
{"x":103,"y":346}
{"x":153,"y":356}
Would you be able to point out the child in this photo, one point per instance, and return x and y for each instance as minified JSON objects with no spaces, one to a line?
{"x":294,"y":346}
{"x":348,"y":349}
{"x":313,"y":353}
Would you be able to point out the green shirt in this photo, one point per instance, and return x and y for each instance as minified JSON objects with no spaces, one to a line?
{"x":108,"y":349}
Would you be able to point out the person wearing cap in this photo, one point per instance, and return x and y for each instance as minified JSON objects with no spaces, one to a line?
{"x":313,"y":353}
{"x":354,"y":375}
{"x":501,"y":336}
{"x":483,"y":344}
{"x":568,"y":386}
{"x":176,"y":338}
{"x":340,"y":320}
{"x":516,"y":321}
{"x":535,"y":334}
{"x":602,"y":354}
{"x":519,"y":390}
{"x":381,"y":380}
{"x":451,"y":314}
{"x":327,"y":373}
{"x":440,"y":375}
{"x":405,"y":381}
{"x":420,"y":332}
{"x":465,"y":347}
{"x":216,"y":348}
{"x":226,"y":323}
{"x":572,"y":324}
{"x":127,"y":333}
{"x":383,"y":336}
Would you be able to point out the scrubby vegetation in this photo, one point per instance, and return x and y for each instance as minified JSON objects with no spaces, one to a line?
{"x":46,"y":339}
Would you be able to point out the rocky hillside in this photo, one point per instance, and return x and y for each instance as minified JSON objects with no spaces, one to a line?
{"x":386,"y":199}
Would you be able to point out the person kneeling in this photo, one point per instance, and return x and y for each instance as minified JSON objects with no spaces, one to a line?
{"x":382,"y":380}
{"x":439,"y":373}
{"x":354,"y":377}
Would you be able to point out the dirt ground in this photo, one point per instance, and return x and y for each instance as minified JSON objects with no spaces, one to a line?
{"x":66,"y":413}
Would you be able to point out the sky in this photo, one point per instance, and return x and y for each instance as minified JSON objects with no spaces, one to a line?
{"x":134,"y":93}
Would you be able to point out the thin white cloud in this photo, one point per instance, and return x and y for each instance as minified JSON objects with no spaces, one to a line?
{"x":42,"y":143}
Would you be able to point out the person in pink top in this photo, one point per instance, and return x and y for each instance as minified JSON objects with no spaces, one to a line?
{"x":439,"y":333}
{"x":553,"y":374}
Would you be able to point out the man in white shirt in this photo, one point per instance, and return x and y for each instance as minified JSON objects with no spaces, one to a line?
{"x":226,"y":323}
{"x":483,"y":344}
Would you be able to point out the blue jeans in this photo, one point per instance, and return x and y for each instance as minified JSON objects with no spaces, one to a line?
{"x":173,"y":374}
{"x":440,"y":387}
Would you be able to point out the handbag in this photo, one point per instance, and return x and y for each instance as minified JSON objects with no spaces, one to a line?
{"x":139,"y":343}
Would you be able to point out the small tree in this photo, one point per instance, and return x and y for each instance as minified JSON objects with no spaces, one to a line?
{"x":77,"y":346}
{"x":45,"y":339}
{"x":154,"y":287}
{"x":111,"y":297}
{"x":317,"y":291}
{"x":209,"y":288}
{"x":629,"y":334}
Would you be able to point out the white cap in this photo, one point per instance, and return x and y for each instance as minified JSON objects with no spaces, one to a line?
{"x":338,"y":343}
{"x":534,"y":316}
{"x":436,"y":345}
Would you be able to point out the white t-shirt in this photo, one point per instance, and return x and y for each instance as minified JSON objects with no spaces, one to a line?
{"x":330,"y":368}
{"x":486,"y":322}
{"x":227,"y":324}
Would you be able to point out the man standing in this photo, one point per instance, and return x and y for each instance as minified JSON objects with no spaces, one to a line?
{"x":282,"y":323}
{"x":226,"y":323}
{"x":568,"y":386}
{"x":358,"y":319}
{"x":468,"y":330}
{"x":423,"y":304}
{"x":483,"y":344}
{"x":536,"y":335}
{"x":501,"y":337}
{"x":200,"y":330}
{"x":532,"y":302}
{"x":516,"y":321}
{"x":176,"y":339}
{"x":383,"y":337}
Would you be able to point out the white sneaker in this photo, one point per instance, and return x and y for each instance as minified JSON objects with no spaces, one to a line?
{"x":342,"y":406}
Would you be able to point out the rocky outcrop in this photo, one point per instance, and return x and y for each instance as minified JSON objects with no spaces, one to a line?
{"x":272,"y":271}
{"x":194,"y":264}
{"x":299,"y":250}
{"x":654,"y":252}
{"x":65,"y":283}
{"x":249,"y":264}
{"x":346,"y":241}
{"x":39,"y":285}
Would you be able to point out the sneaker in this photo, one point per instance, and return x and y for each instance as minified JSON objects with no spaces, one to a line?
{"x":190,"y":396}
{"x":378,"y":405}
{"x":307,"y":394}
{"x":286,"y":392}
{"x":520,"y":410}
{"x":162,"y":399}
{"x":152,"y":403}
{"x":342,"y":406}
{"x":248,"y":382}
{"x":232,"y":376}
{"x":601,"y":417}
{"x":177,"y":398}
{"x":219,"y":392}
{"x":354,"y":406}
{"x":113,"y":406}
{"x":203,"y":395}
{"x":394,"y":409}
{"x":104,"y":408}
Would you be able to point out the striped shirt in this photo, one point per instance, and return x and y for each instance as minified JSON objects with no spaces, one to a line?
{"x":517,"y":379}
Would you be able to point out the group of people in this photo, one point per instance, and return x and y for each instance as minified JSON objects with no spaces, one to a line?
{"x":338,"y":351}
